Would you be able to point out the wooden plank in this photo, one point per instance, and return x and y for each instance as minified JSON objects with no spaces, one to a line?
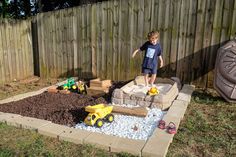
{"x":120,"y":44}
{"x":20,"y":50}
{"x":166,"y":42}
{"x":80,"y":42}
{"x":10,"y":50}
{"x":207,"y":41}
{"x":53,"y":45}
{"x":233,"y":25}
{"x":70,"y":42}
{"x":109,"y":35}
{"x":43,"y":65}
{"x":98,"y":39}
{"x":6,"y":52}
{"x":140,"y":36}
{"x":215,"y":38}
{"x":182,"y":38}
{"x":49,"y":44}
{"x":30,"y":48}
{"x":130,"y":47}
{"x":175,"y":36}
{"x":125,"y":38}
{"x":226,"y":20}
{"x":104,"y":30}
{"x":190,"y":41}
{"x":75,"y":41}
{"x":198,"y":44}
{"x":115,"y":40}
{"x":26,"y":50}
{"x":88,"y":62}
{"x":13,"y":46}
{"x":135,"y":111}
{"x":17,"y":48}
{"x":58,"y":44}
{"x":2,"y":63}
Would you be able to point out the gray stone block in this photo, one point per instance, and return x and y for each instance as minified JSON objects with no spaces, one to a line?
{"x":138,"y":97}
{"x":159,"y":98}
{"x":156,"y":105}
{"x":117,"y":101}
{"x":117,"y":93}
{"x":144,"y":103}
{"x":126,"y":96}
{"x":149,"y":98}
{"x":130,"y":102}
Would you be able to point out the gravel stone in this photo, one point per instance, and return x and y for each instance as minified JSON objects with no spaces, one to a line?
{"x":129,"y":126}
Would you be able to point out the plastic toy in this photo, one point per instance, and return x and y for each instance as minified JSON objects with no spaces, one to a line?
{"x":98,"y":114}
{"x":70,"y":84}
{"x":153,"y":91}
{"x":82,"y":88}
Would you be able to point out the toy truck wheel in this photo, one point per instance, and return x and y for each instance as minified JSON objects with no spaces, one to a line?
{"x":74,"y":87}
{"x":110,"y":118}
{"x":99,"y":123}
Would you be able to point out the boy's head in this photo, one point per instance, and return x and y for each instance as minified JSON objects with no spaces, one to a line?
{"x":153,"y":37}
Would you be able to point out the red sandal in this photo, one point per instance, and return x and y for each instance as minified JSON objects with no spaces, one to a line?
{"x":171,"y":128}
{"x":162,"y":124}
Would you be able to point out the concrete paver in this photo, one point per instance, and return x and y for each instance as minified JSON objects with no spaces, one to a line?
{"x":100,"y":140}
{"x":157,"y":145}
{"x":128,"y":145}
{"x":6,"y":116}
{"x":53,"y":130}
{"x":73,"y":135}
{"x":22,"y":96}
{"x":27,"y":122}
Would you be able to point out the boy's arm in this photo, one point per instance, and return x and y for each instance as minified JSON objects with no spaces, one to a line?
{"x":134,"y":53}
{"x":161,"y":61}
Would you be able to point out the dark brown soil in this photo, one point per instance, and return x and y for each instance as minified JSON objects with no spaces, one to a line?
{"x":65,"y":109}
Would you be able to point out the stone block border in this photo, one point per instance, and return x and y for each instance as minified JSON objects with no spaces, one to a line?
{"x":156,"y":145}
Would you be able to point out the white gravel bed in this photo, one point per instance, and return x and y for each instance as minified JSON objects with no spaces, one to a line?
{"x":129,"y":126}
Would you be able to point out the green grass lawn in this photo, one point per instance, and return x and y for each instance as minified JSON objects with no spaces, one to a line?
{"x":22,"y":142}
{"x":208,"y":129}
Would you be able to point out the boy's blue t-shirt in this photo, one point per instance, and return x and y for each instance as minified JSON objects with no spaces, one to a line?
{"x":152,"y":52}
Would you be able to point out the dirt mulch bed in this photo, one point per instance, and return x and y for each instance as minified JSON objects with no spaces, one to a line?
{"x":65,"y":109}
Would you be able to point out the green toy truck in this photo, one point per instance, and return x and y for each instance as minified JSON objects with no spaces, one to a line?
{"x":70,"y":84}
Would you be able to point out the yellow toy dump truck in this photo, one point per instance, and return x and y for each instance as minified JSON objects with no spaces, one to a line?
{"x":98,"y":114}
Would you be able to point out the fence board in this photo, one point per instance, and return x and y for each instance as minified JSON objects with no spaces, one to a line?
{"x":2,"y":63}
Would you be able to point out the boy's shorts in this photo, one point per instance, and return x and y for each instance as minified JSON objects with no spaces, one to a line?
{"x":149,"y":71}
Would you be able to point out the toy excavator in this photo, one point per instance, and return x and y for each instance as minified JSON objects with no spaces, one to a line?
{"x":98,"y":114}
{"x":153,"y":91}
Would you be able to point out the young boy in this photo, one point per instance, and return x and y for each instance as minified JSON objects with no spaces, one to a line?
{"x":152,"y":54}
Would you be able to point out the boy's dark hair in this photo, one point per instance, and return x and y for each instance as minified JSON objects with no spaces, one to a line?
{"x":153,"y":33}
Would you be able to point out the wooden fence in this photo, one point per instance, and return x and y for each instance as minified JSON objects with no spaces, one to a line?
{"x":97,"y":40}
{"x":16,"y":55}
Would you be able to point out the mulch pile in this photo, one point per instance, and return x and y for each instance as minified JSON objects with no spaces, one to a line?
{"x":65,"y":109}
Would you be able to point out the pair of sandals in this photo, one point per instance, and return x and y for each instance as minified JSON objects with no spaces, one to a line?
{"x":171,"y":128}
